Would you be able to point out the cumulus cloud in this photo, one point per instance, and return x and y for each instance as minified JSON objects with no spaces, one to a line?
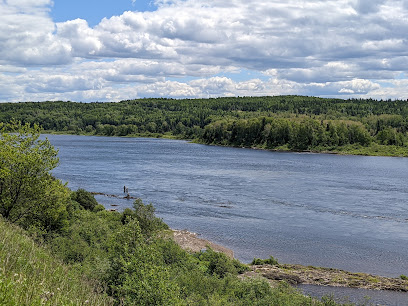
{"x":82,"y":39}
{"x":26,"y":35}
{"x":188,"y":48}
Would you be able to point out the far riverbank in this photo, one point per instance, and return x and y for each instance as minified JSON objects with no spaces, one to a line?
{"x":373,"y":149}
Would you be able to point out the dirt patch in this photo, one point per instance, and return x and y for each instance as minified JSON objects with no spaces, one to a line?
{"x":191,"y":242}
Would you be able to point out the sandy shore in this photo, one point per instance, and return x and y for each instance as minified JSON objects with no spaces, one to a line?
{"x":191,"y":242}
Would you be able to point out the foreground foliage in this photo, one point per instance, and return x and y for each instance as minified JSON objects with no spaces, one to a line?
{"x":30,"y":275}
{"x":29,"y":195}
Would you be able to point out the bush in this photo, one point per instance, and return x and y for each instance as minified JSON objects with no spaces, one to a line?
{"x":172,"y":253}
{"x":220,"y":264}
{"x":144,"y":214}
{"x":98,"y":208}
{"x":404,"y":277}
{"x":87,"y":236}
{"x":85,"y":199}
{"x":270,"y":261}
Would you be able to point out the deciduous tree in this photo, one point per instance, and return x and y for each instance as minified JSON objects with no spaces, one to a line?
{"x":29,"y":195}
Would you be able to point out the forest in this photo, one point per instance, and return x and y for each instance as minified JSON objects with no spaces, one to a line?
{"x":60,"y":247}
{"x":290,"y":123}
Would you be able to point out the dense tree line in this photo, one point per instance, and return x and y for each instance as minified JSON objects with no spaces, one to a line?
{"x":297,"y":122}
{"x":271,"y":133}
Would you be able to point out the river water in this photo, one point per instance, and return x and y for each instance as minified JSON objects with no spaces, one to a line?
{"x":346,"y":212}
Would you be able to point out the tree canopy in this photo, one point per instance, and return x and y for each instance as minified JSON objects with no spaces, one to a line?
{"x":29,"y":195}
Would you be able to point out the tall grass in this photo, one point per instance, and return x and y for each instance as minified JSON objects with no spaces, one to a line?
{"x":29,"y":275}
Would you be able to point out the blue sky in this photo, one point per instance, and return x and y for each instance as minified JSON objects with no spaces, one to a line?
{"x":93,"y":11}
{"x":117,"y":50}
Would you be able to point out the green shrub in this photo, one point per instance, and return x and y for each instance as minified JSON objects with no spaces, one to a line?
{"x":270,"y":261}
{"x":172,"y":253}
{"x":98,"y":208}
{"x":239,"y":266}
{"x":127,"y":215}
{"x":85,"y":199}
{"x":219,"y":264}
{"x":404,"y":277}
{"x":257,"y":262}
{"x":144,"y":214}
{"x":87,"y":236}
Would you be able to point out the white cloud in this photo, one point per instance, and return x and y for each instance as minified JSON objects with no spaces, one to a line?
{"x":26,"y":35}
{"x":83,"y":40}
{"x":185,"y":48}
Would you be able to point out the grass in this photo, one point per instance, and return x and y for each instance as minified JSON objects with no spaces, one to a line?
{"x":30,"y":275}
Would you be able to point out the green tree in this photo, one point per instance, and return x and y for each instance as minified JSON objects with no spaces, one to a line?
{"x":29,"y":195}
{"x":389,"y":136}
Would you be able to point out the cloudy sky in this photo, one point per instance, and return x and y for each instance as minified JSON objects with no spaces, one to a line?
{"x":105,"y":50}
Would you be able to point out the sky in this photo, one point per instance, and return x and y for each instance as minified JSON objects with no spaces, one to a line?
{"x":105,"y":50}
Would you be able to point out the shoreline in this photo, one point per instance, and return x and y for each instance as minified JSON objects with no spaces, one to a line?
{"x":376,"y":153}
{"x":334,"y":152}
{"x":295,"y":274}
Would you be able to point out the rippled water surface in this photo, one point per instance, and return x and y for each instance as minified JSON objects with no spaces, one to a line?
{"x":347,"y":212}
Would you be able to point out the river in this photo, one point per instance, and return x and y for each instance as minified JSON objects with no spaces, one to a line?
{"x":346,"y":212}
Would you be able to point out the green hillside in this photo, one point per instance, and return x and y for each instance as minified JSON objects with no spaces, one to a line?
{"x":31,"y":275}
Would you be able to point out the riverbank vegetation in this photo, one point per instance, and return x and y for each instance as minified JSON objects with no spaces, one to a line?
{"x":289,"y":123}
{"x":59,"y":247}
